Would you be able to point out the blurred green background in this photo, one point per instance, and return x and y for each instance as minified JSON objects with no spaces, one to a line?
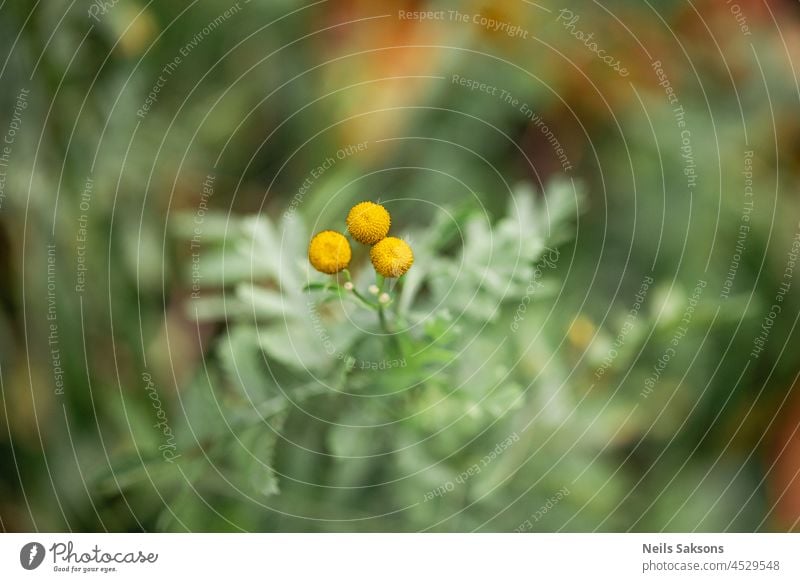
{"x":126,"y":122}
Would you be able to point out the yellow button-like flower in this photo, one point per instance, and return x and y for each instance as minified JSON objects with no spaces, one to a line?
{"x":368,"y":222}
{"x":329,"y":252}
{"x":392,"y":257}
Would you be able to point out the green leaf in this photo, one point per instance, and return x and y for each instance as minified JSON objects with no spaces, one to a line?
{"x":264,"y":303}
{"x":243,"y":362}
{"x":330,"y":286}
{"x":253,"y":454}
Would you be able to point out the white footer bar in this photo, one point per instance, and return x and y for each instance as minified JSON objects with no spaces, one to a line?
{"x":402,"y":557}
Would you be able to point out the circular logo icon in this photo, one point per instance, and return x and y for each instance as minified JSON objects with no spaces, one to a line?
{"x":31,"y":555}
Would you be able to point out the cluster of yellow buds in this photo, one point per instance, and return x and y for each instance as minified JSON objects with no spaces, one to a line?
{"x":367,"y":222}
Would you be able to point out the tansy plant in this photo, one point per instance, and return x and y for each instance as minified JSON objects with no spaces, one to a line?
{"x":382,"y":365}
{"x":329,"y":252}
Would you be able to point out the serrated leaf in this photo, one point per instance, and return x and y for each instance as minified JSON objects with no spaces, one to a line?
{"x":253,"y":454}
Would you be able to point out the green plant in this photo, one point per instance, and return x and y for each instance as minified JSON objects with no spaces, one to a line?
{"x":367,"y":390}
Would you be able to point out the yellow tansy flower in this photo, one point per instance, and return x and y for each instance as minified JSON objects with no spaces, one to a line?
{"x":329,"y":252}
{"x":581,"y":331}
{"x":368,"y":222}
{"x":392,"y":257}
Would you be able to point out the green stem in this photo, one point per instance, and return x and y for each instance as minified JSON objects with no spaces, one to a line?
{"x":379,"y":280}
{"x":394,"y":341}
{"x":359,"y":296}
{"x":382,"y":319}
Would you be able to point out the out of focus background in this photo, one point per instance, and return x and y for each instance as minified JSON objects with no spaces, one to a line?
{"x":603,"y":202}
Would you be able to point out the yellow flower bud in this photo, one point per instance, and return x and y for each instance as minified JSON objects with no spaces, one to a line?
{"x":329,"y":252}
{"x":368,"y":222}
{"x":392,"y":257}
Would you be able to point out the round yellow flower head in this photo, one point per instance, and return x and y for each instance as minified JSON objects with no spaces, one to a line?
{"x":368,"y":222}
{"x":329,"y":252}
{"x":392,"y":257}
